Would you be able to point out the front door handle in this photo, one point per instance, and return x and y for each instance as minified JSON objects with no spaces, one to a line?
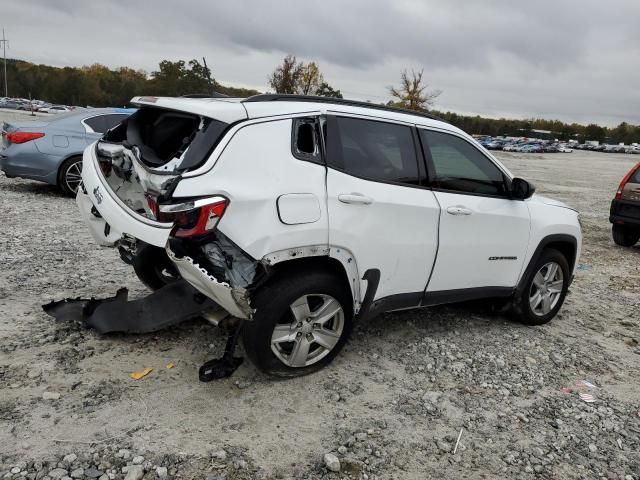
{"x":355,"y":198}
{"x":458,"y":210}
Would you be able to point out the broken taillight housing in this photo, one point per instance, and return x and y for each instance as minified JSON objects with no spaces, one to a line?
{"x":625,"y":180}
{"x":192,"y":218}
{"x":23,"y":137}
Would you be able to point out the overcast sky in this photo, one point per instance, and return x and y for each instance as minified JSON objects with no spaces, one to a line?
{"x":575,"y":60}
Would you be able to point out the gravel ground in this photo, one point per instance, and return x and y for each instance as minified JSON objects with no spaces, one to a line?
{"x":392,"y":405}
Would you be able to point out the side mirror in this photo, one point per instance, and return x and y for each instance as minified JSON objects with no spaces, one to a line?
{"x":521,"y":189}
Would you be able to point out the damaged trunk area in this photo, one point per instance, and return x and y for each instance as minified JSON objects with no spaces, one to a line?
{"x":142,"y":158}
{"x":218,"y":268}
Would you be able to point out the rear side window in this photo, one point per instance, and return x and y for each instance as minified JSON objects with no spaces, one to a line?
{"x":102,"y":123}
{"x":635,"y":178}
{"x":459,"y":166}
{"x":96,"y":123}
{"x":305,"y":143}
{"x":373,"y":150}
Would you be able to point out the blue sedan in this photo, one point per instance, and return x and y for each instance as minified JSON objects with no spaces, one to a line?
{"x":51,"y":150}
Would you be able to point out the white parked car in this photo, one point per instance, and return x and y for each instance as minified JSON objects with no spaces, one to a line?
{"x":55,"y":109}
{"x":301,"y":214}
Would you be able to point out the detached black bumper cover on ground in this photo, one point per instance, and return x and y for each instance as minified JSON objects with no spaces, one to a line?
{"x":170,"y":305}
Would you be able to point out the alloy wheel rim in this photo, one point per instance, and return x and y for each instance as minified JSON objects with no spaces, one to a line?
{"x":309,"y":331}
{"x":73,"y":176}
{"x":546,"y":289}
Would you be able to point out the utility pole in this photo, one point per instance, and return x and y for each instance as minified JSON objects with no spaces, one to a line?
{"x":204,"y":60}
{"x":4,"y":42}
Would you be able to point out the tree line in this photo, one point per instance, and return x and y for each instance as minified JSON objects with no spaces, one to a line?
{"x":97,"y":85}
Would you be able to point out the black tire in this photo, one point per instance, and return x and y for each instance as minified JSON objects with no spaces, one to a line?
{"x":153,"y":266}
{"x":272,"y":303}
{"x":522,"y":302}
{"x":67,"y":180}
{"x":624,"y":235}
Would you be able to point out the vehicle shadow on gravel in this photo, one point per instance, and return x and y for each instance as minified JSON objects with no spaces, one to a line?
{"x":34,"y":188}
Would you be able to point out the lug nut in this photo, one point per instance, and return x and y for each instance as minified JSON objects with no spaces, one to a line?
{"x":298,"y":335}
{"x":309,"y":336}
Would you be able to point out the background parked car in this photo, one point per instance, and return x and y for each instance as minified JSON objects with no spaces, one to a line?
{"x":625,"y":210}
{"x":55,"y":109}
{"x":50,"y":150}
{"x":12,"y":103}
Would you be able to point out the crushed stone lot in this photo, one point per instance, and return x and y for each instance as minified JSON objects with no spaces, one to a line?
{"x":392,"y":404}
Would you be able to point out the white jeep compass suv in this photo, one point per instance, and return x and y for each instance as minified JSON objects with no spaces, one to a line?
{"x":300,"y":214}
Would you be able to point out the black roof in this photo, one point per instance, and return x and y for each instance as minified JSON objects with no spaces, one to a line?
{"x":270,"y":97}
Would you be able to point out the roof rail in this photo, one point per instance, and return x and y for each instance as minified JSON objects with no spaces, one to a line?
{"x":275,"y":97}
{"x":205,"y":95}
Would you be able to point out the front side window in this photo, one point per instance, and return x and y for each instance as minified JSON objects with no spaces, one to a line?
{"x":373,"y":150}
{"x":459,"y":166}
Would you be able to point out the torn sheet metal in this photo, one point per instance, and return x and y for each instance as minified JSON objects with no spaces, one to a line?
{"x":233,"y":300}
{"x":172,"y":304}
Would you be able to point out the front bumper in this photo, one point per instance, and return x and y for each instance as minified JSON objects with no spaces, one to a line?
{"x":625,"y":212}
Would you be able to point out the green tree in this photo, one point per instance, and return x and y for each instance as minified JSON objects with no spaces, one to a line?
{"x":326,"y":90}
{"x":412,"y":93}
{"x":286,"y":77}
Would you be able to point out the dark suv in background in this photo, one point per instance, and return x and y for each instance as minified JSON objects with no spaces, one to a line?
{"x":625,"y":209}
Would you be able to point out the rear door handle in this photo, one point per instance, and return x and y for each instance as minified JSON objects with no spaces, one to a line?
{"x":355,"y":198}
{"x":458,"y":210}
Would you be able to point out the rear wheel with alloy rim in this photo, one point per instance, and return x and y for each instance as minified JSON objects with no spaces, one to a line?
{"x":70,"y":176}
{"x":544,"y":288}
{"x":301,"y":323}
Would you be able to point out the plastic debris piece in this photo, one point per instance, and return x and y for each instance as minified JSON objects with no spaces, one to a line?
{"x":455,"y":449}
{"x":141,"y":373}
{"x":587,"y":384}
{"x":587,"y":397}
{"x":566,"y":390}
{"x":170,"y":365}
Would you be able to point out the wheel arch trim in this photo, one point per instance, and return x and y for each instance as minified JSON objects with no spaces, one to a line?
{"x":339,"y":254}
{"x":550,"y":240}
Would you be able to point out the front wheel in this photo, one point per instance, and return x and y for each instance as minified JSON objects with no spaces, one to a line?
{"x":625,"y":236}
{"x":544,"y":289}
{"x":301,"y":323}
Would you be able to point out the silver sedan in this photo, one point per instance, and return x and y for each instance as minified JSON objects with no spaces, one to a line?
{"x":51,"y":150}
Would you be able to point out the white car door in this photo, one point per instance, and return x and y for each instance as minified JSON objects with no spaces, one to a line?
{"x":484,"y":234}
{"x":379,"y":208}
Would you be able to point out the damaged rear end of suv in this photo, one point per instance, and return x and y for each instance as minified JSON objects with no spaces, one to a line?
{"x":135,"y":168}
{"x":128,"y":199}
{"x":212,"y":206}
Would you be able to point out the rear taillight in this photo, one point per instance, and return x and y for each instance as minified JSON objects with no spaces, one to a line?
{"x":625,"y":180}
{"x":23,"y":137}
{"x":193,"y":218}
